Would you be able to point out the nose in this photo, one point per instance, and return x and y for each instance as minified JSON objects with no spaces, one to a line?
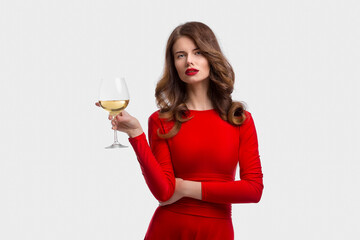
{"x":189,"y":60}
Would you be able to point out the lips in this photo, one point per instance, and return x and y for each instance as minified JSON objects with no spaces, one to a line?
{"x":191,"y":71}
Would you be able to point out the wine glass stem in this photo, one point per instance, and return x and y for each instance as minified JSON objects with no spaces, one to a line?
{"x":115,"y":137}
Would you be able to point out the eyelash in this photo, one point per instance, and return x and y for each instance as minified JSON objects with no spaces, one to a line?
{"x":196,"y":53}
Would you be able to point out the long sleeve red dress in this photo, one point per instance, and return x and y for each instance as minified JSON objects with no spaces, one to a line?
{"x":206,"y":149}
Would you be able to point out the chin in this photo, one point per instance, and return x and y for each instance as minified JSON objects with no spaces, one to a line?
{"x":194,"y":81}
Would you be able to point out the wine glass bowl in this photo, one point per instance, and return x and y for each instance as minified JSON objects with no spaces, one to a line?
{"x":114,"y":107}
{"x":114,"y":98}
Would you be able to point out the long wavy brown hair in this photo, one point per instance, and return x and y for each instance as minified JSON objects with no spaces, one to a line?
{"x":171,"y":92}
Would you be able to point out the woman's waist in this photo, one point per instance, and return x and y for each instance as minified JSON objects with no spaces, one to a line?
{"x":200,"y":208}
{"x":205,"y":177}
{"x":196,"y":207}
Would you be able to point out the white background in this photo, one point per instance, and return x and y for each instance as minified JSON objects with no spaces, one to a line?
{"x":297,"y":68}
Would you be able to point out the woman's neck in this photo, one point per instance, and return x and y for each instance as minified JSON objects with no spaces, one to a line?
{"x":198,"y":98}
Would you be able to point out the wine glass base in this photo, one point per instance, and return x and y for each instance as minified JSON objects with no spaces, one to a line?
{"x":116,"y":145}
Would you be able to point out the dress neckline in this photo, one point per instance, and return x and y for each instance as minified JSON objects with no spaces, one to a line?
{"x":208,"y":110}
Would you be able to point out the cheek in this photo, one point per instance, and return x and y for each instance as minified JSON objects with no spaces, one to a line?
{"x":205,"y":63}
{"x":206,"y":66}
{"x":178,"y":67}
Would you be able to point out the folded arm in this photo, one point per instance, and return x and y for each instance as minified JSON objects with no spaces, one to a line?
{"x":247,"y":190}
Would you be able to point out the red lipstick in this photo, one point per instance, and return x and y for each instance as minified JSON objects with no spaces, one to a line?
{"x":191,"y":71}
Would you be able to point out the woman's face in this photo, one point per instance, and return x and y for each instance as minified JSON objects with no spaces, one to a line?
{"x":191,"y":65}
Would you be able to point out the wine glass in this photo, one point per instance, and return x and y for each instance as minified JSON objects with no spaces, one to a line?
{"x":114,"y":97}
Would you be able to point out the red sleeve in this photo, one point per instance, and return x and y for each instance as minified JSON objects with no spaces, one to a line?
{"x":155,"y":161}
{"x":249,"y":188}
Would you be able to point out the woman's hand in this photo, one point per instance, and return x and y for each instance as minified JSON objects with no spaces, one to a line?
{"x":124,"y":122}
{"x":184,"y":188}
{"x":178,"y":193}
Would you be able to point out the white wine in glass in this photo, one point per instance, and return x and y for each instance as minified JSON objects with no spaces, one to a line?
{"x":114,"y":97}
{"x":114,"y":107}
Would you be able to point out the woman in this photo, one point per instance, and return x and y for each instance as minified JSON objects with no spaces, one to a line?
{"x":197,"y":138}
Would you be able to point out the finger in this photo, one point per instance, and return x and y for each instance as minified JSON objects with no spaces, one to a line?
{"x":110,"y":117}
{"x":122,"y":113}
{"x":114,"y":126}
{"x":118,"y":117}
{"x":125,"y":113}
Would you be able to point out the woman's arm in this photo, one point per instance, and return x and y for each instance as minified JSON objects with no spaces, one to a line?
{"x":247,"y":190}
{"x":184,"y":188}
{"x":155,"y":161}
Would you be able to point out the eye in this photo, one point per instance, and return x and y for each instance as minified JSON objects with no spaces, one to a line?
{"x":198,"y":53}
{"x":180,"y":56}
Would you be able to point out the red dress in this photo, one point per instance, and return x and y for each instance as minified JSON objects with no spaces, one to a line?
{"x":206,"y":149}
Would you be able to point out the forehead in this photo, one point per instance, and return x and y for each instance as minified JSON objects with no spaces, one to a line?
{"x":184,"y":44}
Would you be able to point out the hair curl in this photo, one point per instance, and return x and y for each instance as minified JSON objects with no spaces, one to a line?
{"x":171,"y":92}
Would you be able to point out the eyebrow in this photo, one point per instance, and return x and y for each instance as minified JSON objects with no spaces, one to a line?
{"x":184,"y":51}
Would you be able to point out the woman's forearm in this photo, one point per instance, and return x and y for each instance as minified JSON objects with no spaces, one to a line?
{"x":184,"y":188}
{"x":191,"y":189}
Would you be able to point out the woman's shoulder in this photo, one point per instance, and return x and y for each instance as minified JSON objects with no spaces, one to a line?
{"x":155,"y":121}
{"x":248,"y":115}
{"x":249,"y":121}
{"x":155,"y":116}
